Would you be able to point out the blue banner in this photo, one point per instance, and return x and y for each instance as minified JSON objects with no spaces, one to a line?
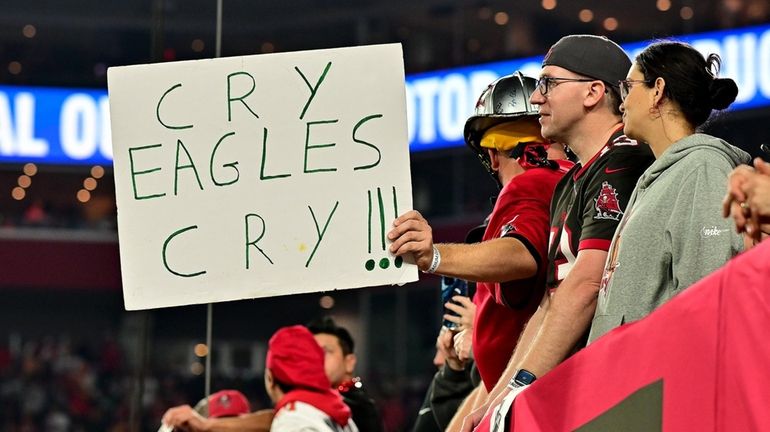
{"x":438,"y":103}
{"x":71,"y":126}
{"x":54,"y":126}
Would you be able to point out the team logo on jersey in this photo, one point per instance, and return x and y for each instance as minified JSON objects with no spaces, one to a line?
{"x":508,"y":227}
{"x":607,"y":204}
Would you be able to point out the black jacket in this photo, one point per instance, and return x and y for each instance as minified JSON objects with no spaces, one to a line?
{"x":446,"y":392}
{"x":365,"y":413}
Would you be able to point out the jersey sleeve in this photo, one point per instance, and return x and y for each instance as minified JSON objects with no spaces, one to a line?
{"x":529,"y":225}
{"x":527,"y":219}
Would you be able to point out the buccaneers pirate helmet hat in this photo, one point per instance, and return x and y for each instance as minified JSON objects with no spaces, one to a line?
{"x":504,"y":106}
{"x":504,"y":100}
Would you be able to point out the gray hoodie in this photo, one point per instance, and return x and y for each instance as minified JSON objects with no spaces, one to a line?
{"x":672,"y":233}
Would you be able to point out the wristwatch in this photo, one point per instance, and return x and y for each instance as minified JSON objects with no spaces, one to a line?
{"x":522,"y":378}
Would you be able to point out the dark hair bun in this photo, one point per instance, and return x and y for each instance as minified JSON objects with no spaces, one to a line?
{"x":723,"y":92}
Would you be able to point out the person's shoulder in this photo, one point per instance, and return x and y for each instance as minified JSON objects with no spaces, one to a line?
{"x":624,"y":159}
{"x":286,"y":419}
{"x":299,"y":416}
{"x":540,"y":173}
{"x":704,"y":165}
{"x":535,"y":181}
{"x":296,"y":410}
{"x":718,"y":153}
{"x":625,"y":148}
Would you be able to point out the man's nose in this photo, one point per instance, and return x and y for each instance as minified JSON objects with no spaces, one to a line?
{"x":536,"y":98}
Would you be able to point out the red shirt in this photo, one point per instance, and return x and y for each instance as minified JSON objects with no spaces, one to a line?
{"x":521,"y":212}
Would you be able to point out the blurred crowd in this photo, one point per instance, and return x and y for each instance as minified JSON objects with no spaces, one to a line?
{"x":39,"y":213}
{"x":58,"y":384}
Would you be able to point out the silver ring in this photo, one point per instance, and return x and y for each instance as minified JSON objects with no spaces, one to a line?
{"x":745,"y":205}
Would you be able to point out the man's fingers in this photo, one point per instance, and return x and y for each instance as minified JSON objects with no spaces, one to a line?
{"x":411,"y":238}
{"x":411,"y":225}
{"x":762,"y":166}
{"x":457,"y":338}
{"x":414,"y":247}
{"x":411,"y":214}
{"x":174,"y":415}
{"x":467,"y":424}
{"x":465,"y":301}
{"x":474,"y":418}
{"x":452,"y":318}
{"x":454,"y":307}
{"x":727,"y":204}
{"x":404,"y":226}
{"x":738,"y":215}
{"x":740,"y":211}
{"x":409,"y":231}
{"x":735,"y":181}
{"x":446,"y":340}
{"x":404,"y":222}
{"x":400,"y":230}
{"x":753,"y":223}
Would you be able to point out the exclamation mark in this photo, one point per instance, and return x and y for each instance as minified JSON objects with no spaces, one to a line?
{"x":384,"y":263}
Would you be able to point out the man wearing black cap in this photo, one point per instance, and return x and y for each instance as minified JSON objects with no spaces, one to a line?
{"x":510,"y":261}
{"x":578,"y":100}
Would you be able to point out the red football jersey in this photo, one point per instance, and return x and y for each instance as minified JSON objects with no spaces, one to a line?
{"x":521,"y":212}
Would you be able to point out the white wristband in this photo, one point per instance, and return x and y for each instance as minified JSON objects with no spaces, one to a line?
{"x":436,"y":261}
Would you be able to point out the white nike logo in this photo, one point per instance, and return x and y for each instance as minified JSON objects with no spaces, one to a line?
{"x":424,"y":411}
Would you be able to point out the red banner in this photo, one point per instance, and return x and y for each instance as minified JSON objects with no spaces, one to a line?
{"x":701,"y":362}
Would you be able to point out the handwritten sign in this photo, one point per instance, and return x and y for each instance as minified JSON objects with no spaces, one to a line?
{"x":259,"y":176}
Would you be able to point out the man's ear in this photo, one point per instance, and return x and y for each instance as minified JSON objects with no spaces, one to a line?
{"x":350,"y":363}
{"x":494,"y":159}
{"x":593,"y":96}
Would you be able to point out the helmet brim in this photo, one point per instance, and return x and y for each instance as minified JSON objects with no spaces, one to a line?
{"x":476,"y":126}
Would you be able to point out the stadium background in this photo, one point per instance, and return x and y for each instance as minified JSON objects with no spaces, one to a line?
{"x":72,"y":359}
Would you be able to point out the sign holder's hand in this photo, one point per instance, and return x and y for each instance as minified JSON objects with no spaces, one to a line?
{"x":411,"y":233}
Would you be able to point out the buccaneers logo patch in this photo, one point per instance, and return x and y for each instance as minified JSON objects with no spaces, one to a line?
{"x":607,"y":204}
{"x":508,"y":227}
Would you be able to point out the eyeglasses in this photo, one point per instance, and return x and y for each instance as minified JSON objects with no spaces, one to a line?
{"x":545,"y":83}
{"x":625,"y":86}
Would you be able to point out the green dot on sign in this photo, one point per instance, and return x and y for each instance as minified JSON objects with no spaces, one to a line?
{"x":384,"y":263}
{"x":398,"y":262}
{"x":370,"y":264}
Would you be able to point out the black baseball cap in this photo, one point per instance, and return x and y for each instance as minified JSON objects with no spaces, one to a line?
{"x":593,"y":56}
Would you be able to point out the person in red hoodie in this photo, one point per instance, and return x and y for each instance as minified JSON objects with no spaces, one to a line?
{"x":296,"y":382}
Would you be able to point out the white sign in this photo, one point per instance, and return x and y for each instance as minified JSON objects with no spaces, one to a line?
{"x":259,"y":176}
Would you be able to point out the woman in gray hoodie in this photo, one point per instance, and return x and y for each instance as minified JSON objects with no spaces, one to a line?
{"x":672,"y":233}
